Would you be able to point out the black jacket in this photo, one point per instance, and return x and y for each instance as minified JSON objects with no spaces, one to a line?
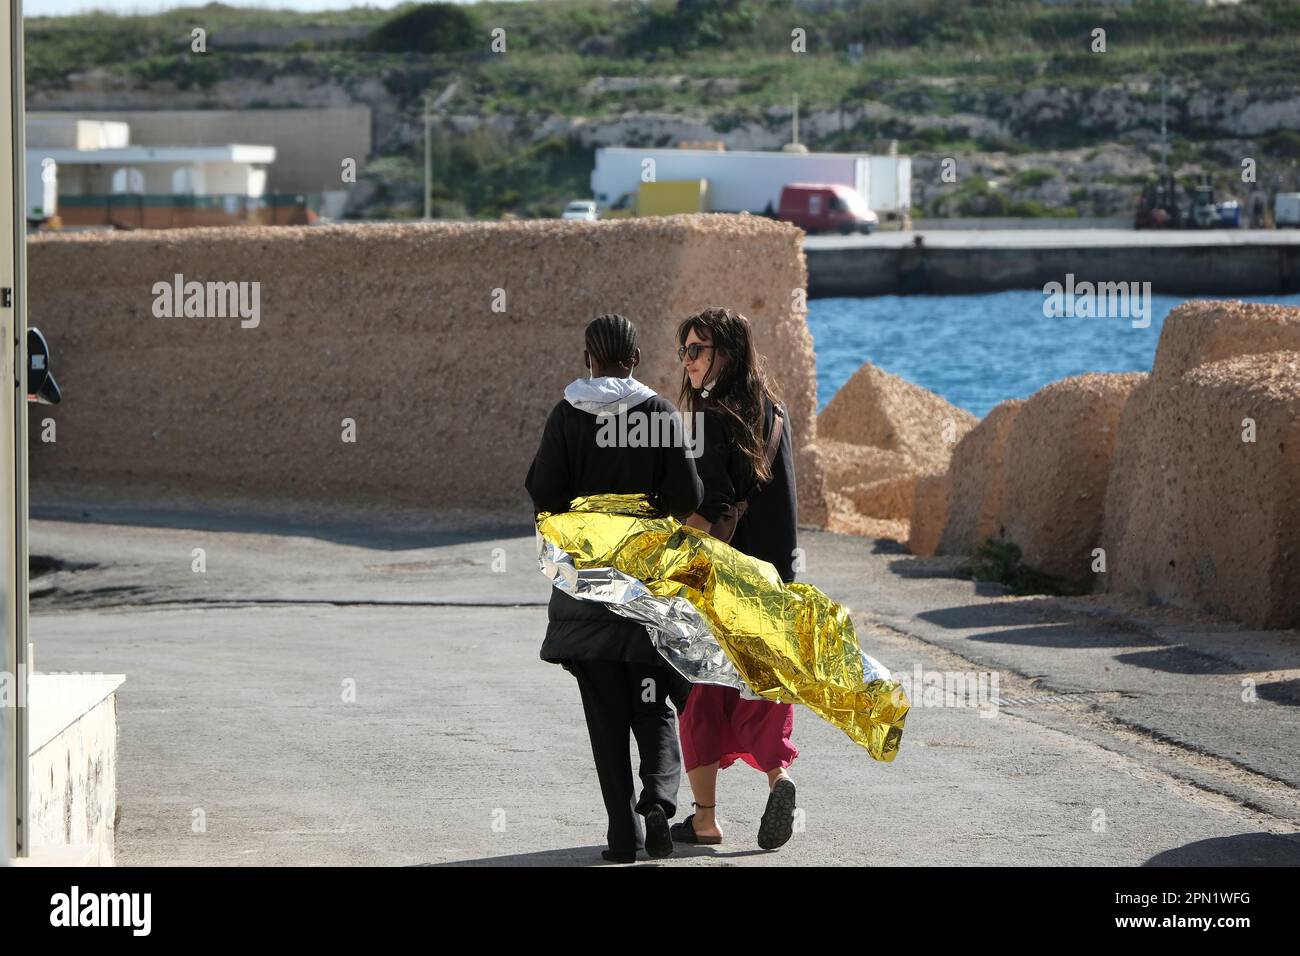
{"x":570,"y":464}
{"x":768,"y":530}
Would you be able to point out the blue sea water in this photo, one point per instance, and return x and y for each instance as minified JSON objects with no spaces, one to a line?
{"x":977,"y":350}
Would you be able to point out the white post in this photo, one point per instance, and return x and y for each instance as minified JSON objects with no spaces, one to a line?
{"x":14,"y":787}
{"x":428,"y":160}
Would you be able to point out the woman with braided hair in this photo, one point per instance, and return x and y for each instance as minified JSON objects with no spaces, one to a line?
{"x":624,"y":682}
{"x":747,"y":459}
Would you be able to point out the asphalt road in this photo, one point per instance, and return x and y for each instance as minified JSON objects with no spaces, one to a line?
{"x":346,"y":696}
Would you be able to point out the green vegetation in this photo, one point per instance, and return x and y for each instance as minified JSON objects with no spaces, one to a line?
{"x":729,"y":60}
{"x":1030,"y":178}
{"x":426,"y":28}
{"x":1000,"y":561}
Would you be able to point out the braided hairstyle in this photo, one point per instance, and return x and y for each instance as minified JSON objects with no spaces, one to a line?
{"x":611,"y":340}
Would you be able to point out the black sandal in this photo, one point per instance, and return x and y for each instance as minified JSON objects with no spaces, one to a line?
{"x":684,"y":832}
{"x":777,"y":825}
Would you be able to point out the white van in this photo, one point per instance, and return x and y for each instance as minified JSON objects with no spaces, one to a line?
{"x":1286,"y":210}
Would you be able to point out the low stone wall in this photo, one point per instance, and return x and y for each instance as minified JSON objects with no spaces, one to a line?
{"x":445,"y":346}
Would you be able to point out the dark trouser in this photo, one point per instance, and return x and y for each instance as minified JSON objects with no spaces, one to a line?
{"x":616,"y":699}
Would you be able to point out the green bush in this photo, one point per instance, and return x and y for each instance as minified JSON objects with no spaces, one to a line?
{"x":428,"y":28}
{"x":1000,"y":561}
{"x":1030,"y":178}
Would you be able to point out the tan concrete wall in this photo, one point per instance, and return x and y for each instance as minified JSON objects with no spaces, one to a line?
{"x":391,"y":326}
{"x":1056,"y":468}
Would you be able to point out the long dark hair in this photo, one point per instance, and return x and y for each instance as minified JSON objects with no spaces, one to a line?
{"x":738,"y":392}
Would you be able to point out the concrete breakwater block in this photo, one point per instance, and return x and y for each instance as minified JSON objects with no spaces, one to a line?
{"x":885,"y":498}
{"x":846,"y":465}
{"x":1056,"y":468}
{"x":975,"y":501}
{"x":880,"y":434}
{"x":1207,"y":331}
{"x":385,"y":365}
{"x":881,"y":410}
{"x":929,"y":513}
{"x":1207,"y":514}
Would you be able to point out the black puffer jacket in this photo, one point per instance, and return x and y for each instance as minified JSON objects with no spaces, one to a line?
{"x":570,"y":464}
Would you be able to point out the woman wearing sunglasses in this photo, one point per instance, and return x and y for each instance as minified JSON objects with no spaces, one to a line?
{"x":746,"y":463}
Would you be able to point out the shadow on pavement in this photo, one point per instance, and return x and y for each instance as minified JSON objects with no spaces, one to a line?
{"x":922,"y":567}
{"x":973,"y":616}
{"x":590,"y":856}
{"x":388,"y":530}
{"x":1244,"y":849}
{"x":1064,"y":635}
{"x":1285,"y":692}
{"x":1180,"y":660}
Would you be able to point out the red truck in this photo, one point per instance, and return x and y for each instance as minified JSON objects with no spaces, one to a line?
{"x":826,"y":207}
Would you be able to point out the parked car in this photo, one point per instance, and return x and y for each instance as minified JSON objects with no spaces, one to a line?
{"x":584,"y":209}
{"x":826,"y":207}
{"x":1286,"y":210}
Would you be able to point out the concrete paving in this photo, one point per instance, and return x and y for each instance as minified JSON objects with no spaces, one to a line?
{"x":350,"y":695}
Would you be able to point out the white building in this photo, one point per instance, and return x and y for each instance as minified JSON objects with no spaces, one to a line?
{"x":92,"y":160}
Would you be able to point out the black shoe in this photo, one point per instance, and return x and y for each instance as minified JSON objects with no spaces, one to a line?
{"x":613,"y":857}
{"x":658,"y":839}
{"x":778,"y":819}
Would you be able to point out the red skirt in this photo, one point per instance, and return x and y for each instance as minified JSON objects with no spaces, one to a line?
{"x":717,"y":726}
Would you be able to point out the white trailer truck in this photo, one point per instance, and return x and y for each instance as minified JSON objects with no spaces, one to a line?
{"x":740,"y":181}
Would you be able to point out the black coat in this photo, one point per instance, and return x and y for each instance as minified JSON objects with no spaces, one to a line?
{"x":570,"y":464}
{"x":768,"y":529}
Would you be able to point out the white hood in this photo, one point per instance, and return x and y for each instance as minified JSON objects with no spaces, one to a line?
{"x":604,"y":394}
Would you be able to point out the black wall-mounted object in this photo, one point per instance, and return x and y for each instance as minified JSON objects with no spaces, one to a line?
{"x":41,"y":386}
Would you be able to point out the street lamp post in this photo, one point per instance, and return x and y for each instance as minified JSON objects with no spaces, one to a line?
{"x":428,"y":160}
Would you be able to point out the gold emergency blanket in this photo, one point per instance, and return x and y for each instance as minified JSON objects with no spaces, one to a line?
{"x":723,"y":617}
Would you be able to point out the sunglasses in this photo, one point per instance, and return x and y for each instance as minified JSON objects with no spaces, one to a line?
{"x":693,"y":350}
